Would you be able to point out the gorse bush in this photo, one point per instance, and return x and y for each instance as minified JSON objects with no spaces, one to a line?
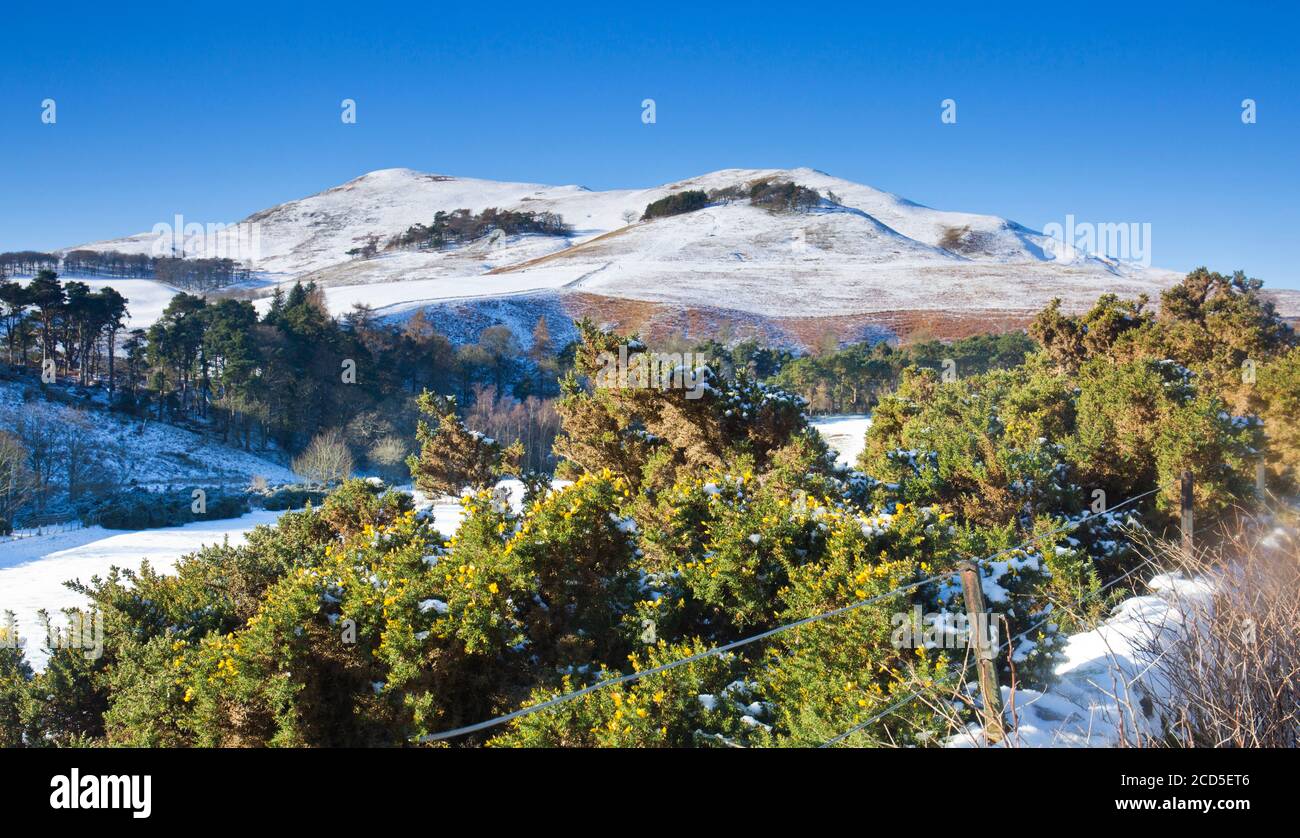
{"x":699,"y":704}
{"x":1118,"y":402}
{"x":452,"y":457}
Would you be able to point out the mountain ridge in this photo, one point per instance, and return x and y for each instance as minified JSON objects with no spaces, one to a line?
{"x":856,"y":251}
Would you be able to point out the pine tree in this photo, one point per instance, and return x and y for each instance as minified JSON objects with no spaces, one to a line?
{"x":541,"y":352}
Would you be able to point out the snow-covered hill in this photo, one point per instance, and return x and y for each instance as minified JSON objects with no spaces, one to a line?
{"x":859,"y":251}
{"x":128,"y":452}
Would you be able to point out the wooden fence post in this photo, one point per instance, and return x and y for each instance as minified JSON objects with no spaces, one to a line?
{"x":1188,"y":496}
{"x":1261,"y":481}
{"x":977,"y":627}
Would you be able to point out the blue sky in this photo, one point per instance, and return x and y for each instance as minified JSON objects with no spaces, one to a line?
{"x":1108,"y":112}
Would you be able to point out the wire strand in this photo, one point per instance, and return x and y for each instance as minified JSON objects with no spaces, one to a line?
{"x":634,"y":676}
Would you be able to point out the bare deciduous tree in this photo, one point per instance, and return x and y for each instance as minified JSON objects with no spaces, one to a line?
{"x":326,"y":459}
{"x":17,"y":484}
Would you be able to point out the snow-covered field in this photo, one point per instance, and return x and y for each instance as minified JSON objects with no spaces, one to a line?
{"x":1099,"y":699}
{"x":846,"y":434}
{"x":33,"y":570}
{"x":398,"y":297}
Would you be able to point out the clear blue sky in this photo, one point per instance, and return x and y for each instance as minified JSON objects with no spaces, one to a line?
{"x":1111,"y":112}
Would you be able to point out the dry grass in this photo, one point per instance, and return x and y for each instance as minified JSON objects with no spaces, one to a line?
{"x":1235,"y":681}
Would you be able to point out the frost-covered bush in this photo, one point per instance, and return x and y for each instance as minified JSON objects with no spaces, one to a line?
{"x":1139,"y":424}
{"x":985,"y":446}
{"x":727,"y":543}
{"x":291,"y":497}
{"x":142,"y":510}
{"x":15,"y":678}
{"x":1012,"y":446}
{"x":452,"y":457}
{"x":568,"y":565}
{"x":355,"y":623}
{"x":655,"y":435}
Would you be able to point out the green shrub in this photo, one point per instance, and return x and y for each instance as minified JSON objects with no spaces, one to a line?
{"x":783,"y":196}
{"x":700,"y":704}
{"x":294,"y":496}
{"x":142,"y":510}
{"x":15,"y":680}
{"x":1277,"y":401}
{"x":676,"y":204}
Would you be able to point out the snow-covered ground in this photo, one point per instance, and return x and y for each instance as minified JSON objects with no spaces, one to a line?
{"x":846,"y":434}
{"x":1100,"y":698}
{"x":33,"y":570}
{"x":405,"y":296}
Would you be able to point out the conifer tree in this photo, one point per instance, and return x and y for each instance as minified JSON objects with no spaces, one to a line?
{"x":540,"y":353}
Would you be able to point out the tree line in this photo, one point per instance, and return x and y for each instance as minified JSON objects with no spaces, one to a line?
{"x":62,"y":327}
{"x":187,"y":274}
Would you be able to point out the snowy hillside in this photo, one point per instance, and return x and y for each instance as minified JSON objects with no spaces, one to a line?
{"x":860,"y":251}
{"x":132,"y":452}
